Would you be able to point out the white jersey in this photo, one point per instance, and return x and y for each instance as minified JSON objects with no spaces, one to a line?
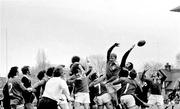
{"x":56,"y":88}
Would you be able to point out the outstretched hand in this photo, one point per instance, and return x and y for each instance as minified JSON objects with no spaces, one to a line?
{"x":116,"y":44}
{"x":132,"y":47}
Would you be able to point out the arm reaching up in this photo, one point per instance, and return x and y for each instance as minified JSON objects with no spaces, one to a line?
{"x":143,"y":75}
{"x":124,"y":58}
{"x":110,"y":50}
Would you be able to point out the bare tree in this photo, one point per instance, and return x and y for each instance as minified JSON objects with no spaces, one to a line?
{"x":41,"y":59}
{"x":152,"y":67}
{"x":98,"y":62}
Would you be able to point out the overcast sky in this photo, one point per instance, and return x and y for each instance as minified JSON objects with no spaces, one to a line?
{"x":64,"y":28}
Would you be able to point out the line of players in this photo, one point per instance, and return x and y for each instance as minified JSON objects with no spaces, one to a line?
{"x":116,"y":88}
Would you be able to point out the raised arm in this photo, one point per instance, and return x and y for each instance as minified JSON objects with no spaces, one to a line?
{"x":124,"y":58}
{"x":143,"y":74}
{"x":110,"y":50}
{"x":88,"y":72}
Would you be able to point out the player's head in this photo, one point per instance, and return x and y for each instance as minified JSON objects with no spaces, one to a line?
{"x":50,"y":71}
{"x":58,"y":72}
{"x":75,"y":59}
{"x":129,"y":65}
{"x":13,"y":72}
{"x":41,"y":74}
{"x":25,"y":70}
{"x":133,"y":74}
{"x":113,"y":57}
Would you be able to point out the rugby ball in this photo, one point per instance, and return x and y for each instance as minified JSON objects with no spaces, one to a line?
{"x":141,"y":43}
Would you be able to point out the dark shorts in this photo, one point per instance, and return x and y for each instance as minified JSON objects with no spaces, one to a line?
{"x":47,"y":103}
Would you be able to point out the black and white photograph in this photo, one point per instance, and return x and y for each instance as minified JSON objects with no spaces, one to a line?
{"x":89,"y":54}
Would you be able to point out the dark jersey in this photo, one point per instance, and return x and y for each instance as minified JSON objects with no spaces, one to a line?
{"x":112,"y":70}
{"x":26,"y":81}
{"x":15,"y":90}
{"x":81,"y":85}
{"x":28,"y":96}
{"x":145,"y":90}
{"x":155,"y":86}
{"x":100,"y":89}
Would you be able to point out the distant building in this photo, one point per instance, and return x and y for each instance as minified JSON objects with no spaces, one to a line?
{"x":177,"y":9}
{"x":173,"y":75}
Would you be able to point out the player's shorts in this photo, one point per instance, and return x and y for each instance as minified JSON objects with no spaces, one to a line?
{"x":103,"y":99}
{"x":156,"y":99}
{"x":82,"y":97}
{"x":128,"y":100}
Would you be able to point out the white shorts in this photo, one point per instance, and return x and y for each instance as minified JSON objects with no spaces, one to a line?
{"x":156,"y":100}
{"x":102,"y":99}
{"x":82,"y":97}
{"x":128,"y":100}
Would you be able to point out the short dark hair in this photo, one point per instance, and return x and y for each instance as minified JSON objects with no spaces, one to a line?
{"x":13,"y":72}
{"x":41,"y":74}
{"x":75,"y":68}
{"x":58,"y":72}
{"x":50,"y":71}
{"x":25,"y":69}
{"x":75,"y":59}
{"x":133,"y":74}
{"x":131,"y":66}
